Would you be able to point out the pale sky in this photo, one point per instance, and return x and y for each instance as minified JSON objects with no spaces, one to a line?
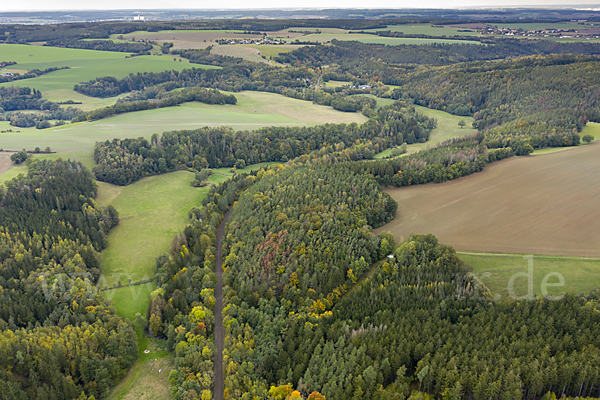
{"x":11,"y":5}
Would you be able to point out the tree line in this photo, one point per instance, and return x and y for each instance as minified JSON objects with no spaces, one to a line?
{"x":125,"y":161}
{"x":131,"y":104}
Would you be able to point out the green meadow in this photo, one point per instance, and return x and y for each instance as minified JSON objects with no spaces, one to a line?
{"x":253,"y":110}
{"x":152,"y":211}
{"x":447,"y":128}
{"x":143,"y":380}
{"x":84,"y":65}
{"x":496,"y":270}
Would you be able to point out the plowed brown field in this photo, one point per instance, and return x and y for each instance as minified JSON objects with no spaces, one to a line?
{"x":543,"y":204}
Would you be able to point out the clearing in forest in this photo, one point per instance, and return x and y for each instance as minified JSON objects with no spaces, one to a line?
{"x":152,"y":211}
{"x":447,"y":128}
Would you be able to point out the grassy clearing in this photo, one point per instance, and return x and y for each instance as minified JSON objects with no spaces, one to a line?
{"x":591,"y":128}
{"x":13,"y":173}
{"x":253,"y":110}
{"x":87,"y":103}
{"x":84,"y":157}
{"x":152,"y":212}
{"x":545,"y":204}
{"x":496,"y":271}
{"x":447,"y":128}
{"x":224,"y":173}
{"x":144,"y":381}
{"x":332,"y":83}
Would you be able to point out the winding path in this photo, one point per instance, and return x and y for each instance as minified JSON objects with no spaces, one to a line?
{"x":219,"y":330}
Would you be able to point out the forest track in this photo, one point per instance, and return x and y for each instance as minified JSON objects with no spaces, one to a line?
{"x":219,"y":329}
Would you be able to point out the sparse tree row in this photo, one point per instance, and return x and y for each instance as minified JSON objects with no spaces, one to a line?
{"x":171,"y":99}
{"x":125,"y":161}
{"x":59,"y":339}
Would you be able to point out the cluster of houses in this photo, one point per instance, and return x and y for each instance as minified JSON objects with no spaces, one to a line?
{"x":264,"y":40}
{"x":584,"y":32}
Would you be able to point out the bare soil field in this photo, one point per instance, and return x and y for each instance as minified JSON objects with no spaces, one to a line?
{"x":544,"y":204}
{"x":5,"y":163}
{"x":239,"y":51}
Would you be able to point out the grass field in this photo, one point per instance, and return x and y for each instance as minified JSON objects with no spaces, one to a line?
{"x":253,"y":110}
{"x":496,"y":271}
{"x":425,"y":29}
{"x":545,"y":204}
{"x":152,"y":212}
{"x":239,"y":51}
{"x":447,"y":128}
{"x":85,"y":65}
{"x":12,"y":173}
{"x":332,"y":83}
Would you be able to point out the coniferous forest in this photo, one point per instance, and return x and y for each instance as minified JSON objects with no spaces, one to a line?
{"x":59,"y":338}
{"x":278,"y":275}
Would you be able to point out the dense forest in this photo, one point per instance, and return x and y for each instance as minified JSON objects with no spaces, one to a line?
{"x":559,"y":92}
{"x":125,"y":161}
{"x":314,"y":305}
{"x":100,"y":45}
{"x":352,"y":54}
{"x":59,"y":338}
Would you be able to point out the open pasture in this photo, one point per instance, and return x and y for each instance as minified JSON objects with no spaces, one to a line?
{"x":496,"y":271}
{"x":547,"y":204}
{"x":84,"y":70}
{"x":253,"y":110}
{"x":152,"y":211}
